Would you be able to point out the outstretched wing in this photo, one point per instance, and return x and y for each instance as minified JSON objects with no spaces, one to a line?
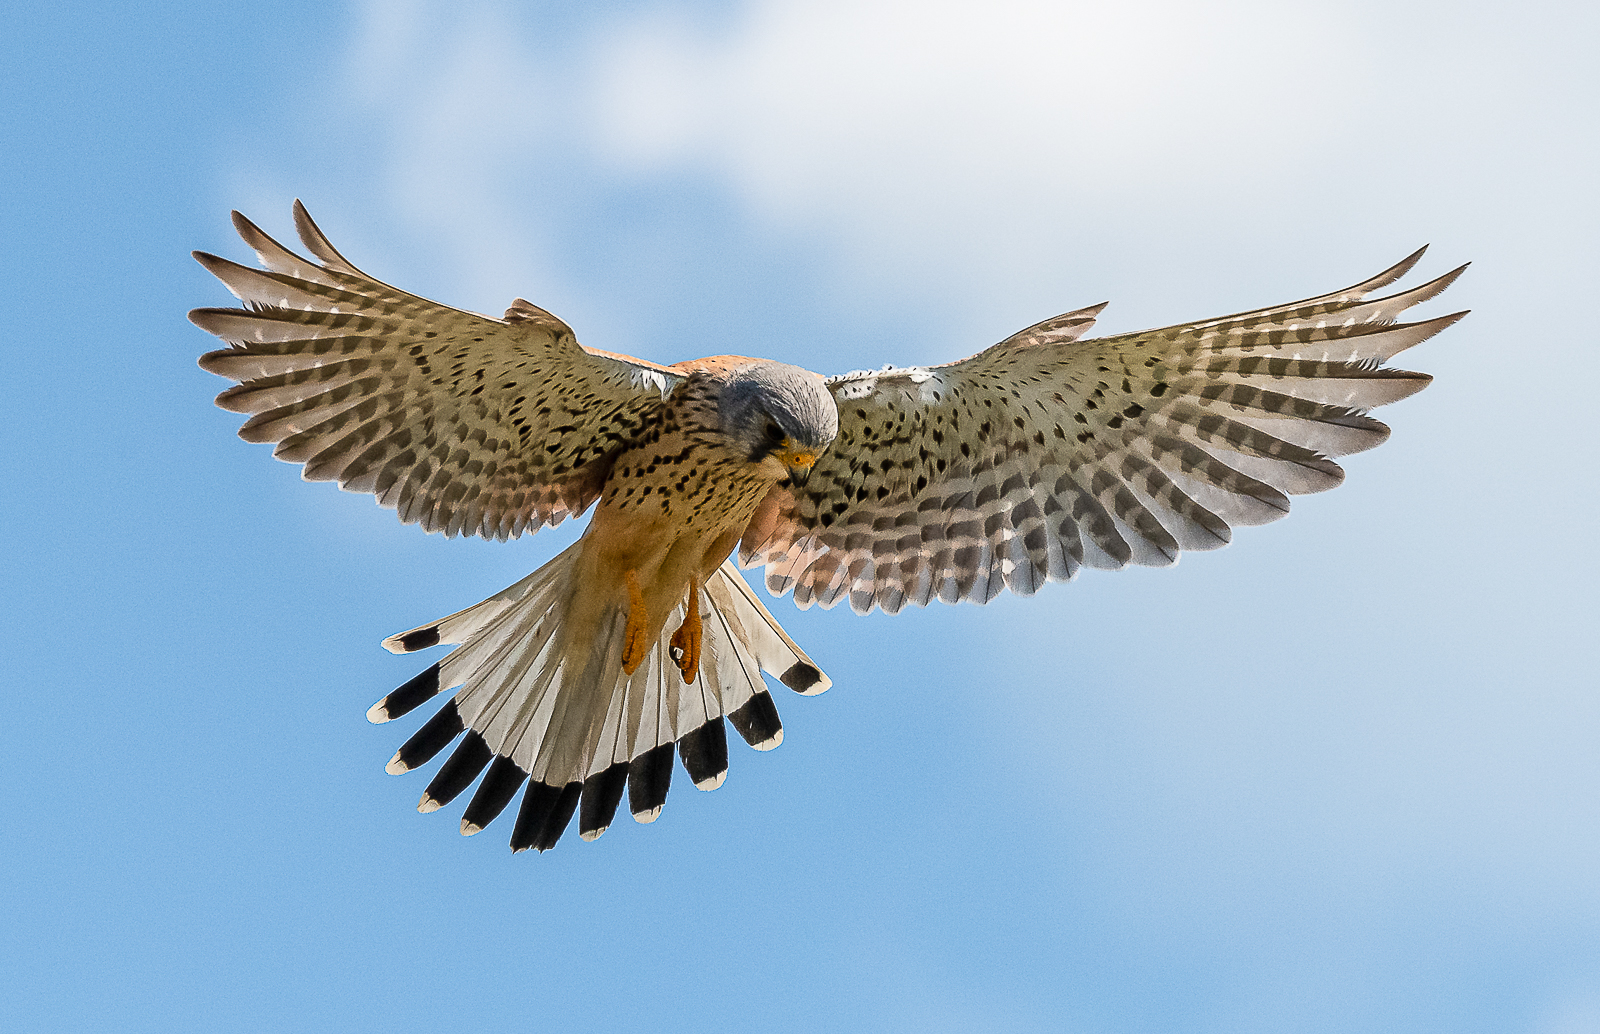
{"x":465,"y":423}
{"x":1044,"y":453}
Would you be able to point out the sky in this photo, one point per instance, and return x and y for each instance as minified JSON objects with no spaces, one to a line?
{"x":1338,"y":776}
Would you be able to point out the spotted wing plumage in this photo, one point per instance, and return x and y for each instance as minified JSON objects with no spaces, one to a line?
{"x":461,"y":422}
{"x":1046,"y":453}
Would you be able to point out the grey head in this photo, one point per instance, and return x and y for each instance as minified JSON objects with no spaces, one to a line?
{"x":779,"y":411}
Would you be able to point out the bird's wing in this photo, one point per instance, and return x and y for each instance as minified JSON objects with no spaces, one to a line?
{"x":1045,"y":453}
{"x":468,"y":424}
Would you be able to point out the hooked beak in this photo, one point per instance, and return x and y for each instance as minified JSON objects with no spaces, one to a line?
{"x":799,"y":464}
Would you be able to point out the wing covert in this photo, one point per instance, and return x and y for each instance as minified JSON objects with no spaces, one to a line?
{"x":1046,"y":453}
{"x":464,"y":423}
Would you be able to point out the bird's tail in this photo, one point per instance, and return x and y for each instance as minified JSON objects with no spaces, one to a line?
{"x":539,"y":708}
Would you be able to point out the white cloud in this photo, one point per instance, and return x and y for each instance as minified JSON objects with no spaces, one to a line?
{"x":1007,"y":149}
{"x":443,"y":113}
{"x":950,"y":138}
{"x":808,"y":101}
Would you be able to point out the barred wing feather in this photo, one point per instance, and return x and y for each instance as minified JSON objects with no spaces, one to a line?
{"x":1046,"y":453}
{"x":465,"y":423}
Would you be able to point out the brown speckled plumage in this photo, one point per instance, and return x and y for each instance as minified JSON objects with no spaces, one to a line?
{"x":1046,"y":453}
{"x":1017,"y":466}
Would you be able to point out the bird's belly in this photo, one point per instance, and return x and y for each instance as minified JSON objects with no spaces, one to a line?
{"x":667,"y":530}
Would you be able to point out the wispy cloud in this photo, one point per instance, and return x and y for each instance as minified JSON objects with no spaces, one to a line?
{"x":926,"y":144}
{"x":930,"y":130}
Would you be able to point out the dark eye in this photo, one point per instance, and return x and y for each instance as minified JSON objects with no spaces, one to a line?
{"x":774,"y":432}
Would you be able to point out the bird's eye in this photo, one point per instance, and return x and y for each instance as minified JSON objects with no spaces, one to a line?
{"x":774,"y":432}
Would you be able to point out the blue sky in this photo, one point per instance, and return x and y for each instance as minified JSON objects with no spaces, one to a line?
{"x":1339,"y":776}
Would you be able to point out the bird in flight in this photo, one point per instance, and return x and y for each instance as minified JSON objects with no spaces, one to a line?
{"x":1043,"y":454}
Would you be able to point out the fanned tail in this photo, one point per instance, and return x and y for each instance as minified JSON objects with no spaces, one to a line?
{"x":538,"y":708}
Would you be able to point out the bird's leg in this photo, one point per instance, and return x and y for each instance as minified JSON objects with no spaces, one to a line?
{"x":686,"y":640}
{"x":635,"y":642}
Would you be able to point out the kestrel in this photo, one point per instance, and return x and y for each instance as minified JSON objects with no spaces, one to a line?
{"x":1015,"y":467}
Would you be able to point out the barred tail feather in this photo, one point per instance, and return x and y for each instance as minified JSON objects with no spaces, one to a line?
{"x":538,"y":708}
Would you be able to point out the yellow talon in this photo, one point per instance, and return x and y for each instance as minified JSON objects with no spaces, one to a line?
{"x":686,"y":640}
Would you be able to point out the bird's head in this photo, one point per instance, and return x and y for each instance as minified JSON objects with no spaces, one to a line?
{"x":780,"y":416}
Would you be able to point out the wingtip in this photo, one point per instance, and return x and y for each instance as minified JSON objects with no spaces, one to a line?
{"x":317,"y":242}
{"x":304,"y":224}
{"x":1440,"y":284}
{"x":1425,"y":292}
{"x":1405,"y":265}
{"x":397,"y":765}
{"x":245,"y":227}
{"x":1390,"y":275}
